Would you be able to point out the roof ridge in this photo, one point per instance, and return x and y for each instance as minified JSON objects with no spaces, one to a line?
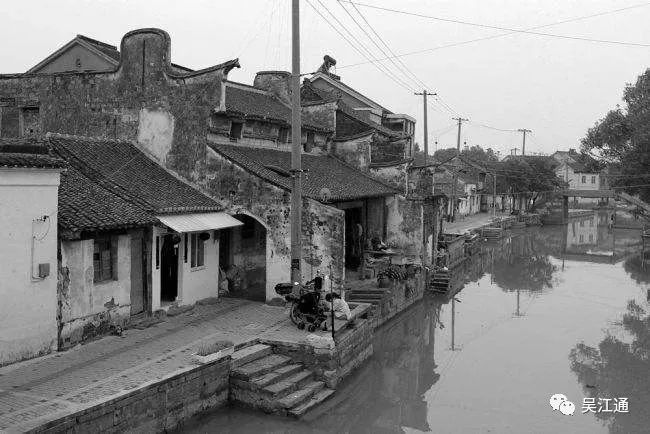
{"x":96,"y":41}
{"x":367,"y":175}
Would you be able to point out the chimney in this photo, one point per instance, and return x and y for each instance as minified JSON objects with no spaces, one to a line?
{"x":277,"y":83}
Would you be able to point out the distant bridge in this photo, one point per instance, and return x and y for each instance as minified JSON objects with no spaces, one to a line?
{"x":588,"y":193}
{"x":566,"y":194}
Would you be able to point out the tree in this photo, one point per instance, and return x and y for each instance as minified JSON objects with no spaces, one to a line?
{"x":618,"y":368}
{"x":622,"y":139}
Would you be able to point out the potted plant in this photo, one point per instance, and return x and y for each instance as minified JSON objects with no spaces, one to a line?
{"x":209,"y":352}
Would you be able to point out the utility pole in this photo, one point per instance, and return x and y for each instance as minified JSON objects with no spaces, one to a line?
{"x":460,"y":123}
{"x":453,"y":187}
{"x":296,"y":148}
{"x":523,"y":144}
{"x":494,"y":194}
{"x":424,"y":94}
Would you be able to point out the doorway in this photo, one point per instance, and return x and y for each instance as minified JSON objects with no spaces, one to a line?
{"x":169,"y":268}
{"x":354,"y":234}
{"x":242,"y":257}
{"x":138,"y":287}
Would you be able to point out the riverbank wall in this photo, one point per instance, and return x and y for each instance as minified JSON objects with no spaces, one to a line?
{"x":165,"y":402}
{"x":155,"y":407}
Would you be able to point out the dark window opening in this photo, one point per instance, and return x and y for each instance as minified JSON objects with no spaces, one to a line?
{"x":9,"y":122}
{"x":236,"y":130}
{"x":309,"y":145}
{"x":104,"y":256}
{"x":283,"y":135}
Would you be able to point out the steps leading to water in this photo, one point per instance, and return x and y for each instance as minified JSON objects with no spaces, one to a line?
{"x":274,"y":383}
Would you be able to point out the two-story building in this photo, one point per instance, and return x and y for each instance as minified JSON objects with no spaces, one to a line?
{"x":579,"y":172}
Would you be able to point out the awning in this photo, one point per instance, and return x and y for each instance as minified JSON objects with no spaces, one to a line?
{"x":198,"y":222}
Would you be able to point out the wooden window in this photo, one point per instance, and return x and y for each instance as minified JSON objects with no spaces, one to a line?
{"x":236,"y":130}
{"x":197,"y":251}
{"x":593,"y":179}
{"x":104,"y":259}
{"x":157,"y":253}
{"x":283,"y":135}
{"x":584,"y":179}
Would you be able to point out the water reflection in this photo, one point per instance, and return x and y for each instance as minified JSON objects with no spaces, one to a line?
{"x":619,"y":367}
{"x":419,"y":378}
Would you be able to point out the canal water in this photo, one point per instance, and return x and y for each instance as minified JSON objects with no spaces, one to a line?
{"x":552,"y":310}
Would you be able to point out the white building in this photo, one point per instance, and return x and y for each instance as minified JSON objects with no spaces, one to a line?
{"x":29,"y":181}
{"x":134,"y":238}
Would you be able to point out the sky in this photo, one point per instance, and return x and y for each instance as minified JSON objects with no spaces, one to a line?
{"x":556,"y":87}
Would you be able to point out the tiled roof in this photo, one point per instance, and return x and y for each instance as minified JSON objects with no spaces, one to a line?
{"x":123,"y":168}
{"x":85,"y":205}
{"x":322,"y":171}
{"x":248,"y":102}
{"x":16,"y":153}
{"x":311,"y":93}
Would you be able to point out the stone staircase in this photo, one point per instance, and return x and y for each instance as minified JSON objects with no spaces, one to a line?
{"x":370,"y":296}
{"x":273,"y":383}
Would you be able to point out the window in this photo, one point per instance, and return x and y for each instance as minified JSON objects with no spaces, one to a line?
{"x":584,"y":179}
{"x":236,"y":130}
{"x":593,"y":179}
{"x":591,"y":238}
{"x":197,"y":252}
{"x":104,"y":257}
{"x":309,"y":145}
{"x":283,"y":135}
{"x":9,"y":121}
{"x":582,"y":238}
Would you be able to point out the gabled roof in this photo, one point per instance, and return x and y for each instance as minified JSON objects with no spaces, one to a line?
{"x":123,"y":168}
{"x":338,"y":84}
{"x":311,"y":94}
{"x":24,"y":153}
{"x":322,"y":171}
{"x":252,"y":103}
{"x":108,"y":52}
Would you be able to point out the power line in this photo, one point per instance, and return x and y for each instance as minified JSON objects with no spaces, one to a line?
{"x":492,"y":27}
{"x":370,"y":55}
{"x":374,"y":42}
{"x":394,"y":56}
{"x":500,"y":35}
{"x":375,"y":63}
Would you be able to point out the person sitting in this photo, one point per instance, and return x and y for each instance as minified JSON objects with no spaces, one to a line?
{"x":338,"y":306}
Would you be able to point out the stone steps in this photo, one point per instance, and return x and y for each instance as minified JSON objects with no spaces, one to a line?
{"x":273,"y":383}
{"x":300,"y":409}
{"x":260,"y":366}
{"x":250,"y":353}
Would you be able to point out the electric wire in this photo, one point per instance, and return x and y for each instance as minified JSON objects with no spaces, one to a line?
{"x":373,"y":62}
{"x":493,"y":27}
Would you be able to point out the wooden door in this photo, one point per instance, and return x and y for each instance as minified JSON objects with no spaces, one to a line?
{"x":137,"y":276}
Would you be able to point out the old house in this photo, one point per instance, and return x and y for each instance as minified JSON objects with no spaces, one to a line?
{"x":249,"y":165}
{"x":29,"y":182}
{"x":579,"y":172}
{"x":376,"y":141}
{"x":133,"y":237}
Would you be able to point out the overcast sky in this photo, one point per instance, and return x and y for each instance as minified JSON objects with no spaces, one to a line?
{"x":556,"y":87}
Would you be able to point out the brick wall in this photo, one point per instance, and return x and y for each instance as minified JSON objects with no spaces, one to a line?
{"x":154,"y":408}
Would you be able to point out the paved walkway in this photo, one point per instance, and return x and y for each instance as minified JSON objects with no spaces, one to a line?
{"x":50,"y":387}
{"x":462,"y":225}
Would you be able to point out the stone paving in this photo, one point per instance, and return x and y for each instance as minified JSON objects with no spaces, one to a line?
{"x":462,"y":225}
{"x":49,"y":387}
